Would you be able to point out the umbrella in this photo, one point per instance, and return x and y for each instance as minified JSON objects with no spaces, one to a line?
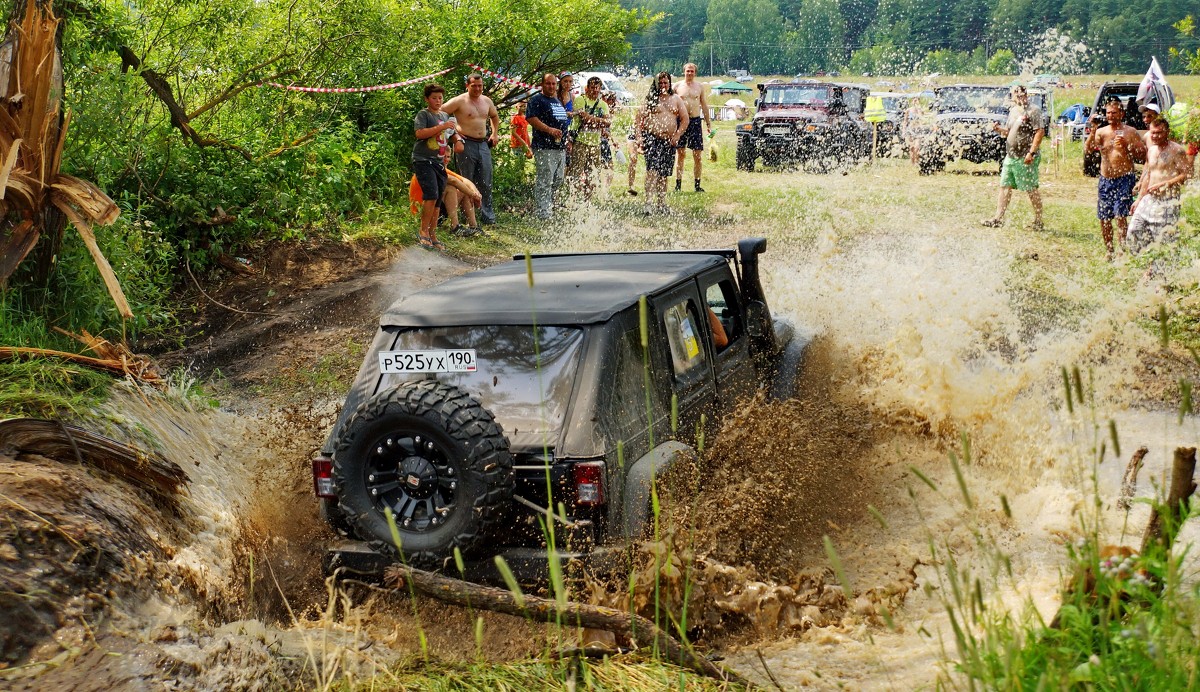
{"x":736,"y":103}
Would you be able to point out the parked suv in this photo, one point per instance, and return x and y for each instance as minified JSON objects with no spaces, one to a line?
{"x":808,"y":122}
{"x":963,"y":118}
{"x":486,"y":408}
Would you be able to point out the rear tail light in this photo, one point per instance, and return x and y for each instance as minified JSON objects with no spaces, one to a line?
{"x":589,"y":483}
{"x":322,"y":468}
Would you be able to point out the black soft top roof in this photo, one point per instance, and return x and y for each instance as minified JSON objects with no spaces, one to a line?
{"x":568,"y":290}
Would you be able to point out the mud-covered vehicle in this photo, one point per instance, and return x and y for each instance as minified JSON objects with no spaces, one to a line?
{"x":964,"y":116}
{"x":815,"y":123}
{"x":487,"y":409}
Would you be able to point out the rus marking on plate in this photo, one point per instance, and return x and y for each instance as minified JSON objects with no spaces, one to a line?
{"x":400,"y":362}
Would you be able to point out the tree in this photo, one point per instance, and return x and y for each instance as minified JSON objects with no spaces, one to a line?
{"x":746,"y":34}
{"x":817,"y":40}
{"x":1002,"y":62}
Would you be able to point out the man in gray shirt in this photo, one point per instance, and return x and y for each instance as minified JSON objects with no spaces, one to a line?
{"x":1024,"y":131}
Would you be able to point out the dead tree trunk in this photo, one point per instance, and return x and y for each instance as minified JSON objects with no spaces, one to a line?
{"x":633,"y":626}
{"x":1161,"y":531}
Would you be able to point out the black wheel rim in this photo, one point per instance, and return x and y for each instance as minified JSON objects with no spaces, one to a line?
{"x":411,"y":475}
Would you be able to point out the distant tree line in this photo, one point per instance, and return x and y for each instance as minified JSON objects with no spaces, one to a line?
{"x":907,"y":36}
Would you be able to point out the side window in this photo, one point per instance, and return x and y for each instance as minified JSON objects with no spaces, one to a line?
{"x":683,"y":336}
{"x":721,"y":300}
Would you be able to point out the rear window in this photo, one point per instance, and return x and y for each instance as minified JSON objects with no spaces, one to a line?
{"x":524,"y":381}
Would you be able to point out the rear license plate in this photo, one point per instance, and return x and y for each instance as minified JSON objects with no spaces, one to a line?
{"x":400,"y":362}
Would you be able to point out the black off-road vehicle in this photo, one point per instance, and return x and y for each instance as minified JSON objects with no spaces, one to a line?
{"x":815,"y":123}
{"x":962,"y":129}
{"x":1126,"y":94}
{"x":486,"y":408}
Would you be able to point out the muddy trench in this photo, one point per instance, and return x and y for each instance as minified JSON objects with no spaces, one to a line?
{"x":924,"y":352}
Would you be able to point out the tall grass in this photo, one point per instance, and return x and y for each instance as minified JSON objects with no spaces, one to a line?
{"x":1126,"y":621}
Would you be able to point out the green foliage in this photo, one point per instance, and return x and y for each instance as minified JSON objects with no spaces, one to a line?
{"x":1186,"y":29}
{"x":45,"y":388}
{"x":1002,"y":62}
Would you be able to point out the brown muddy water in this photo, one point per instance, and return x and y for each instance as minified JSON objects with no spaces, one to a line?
{"x":928,"y":348}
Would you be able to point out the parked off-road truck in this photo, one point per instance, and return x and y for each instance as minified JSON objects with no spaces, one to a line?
{"x":815,"y":123}
{"x":487,"y":407}
{"x":964,"y":116}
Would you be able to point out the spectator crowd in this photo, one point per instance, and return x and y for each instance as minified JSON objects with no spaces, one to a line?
{"x":569,"y":137}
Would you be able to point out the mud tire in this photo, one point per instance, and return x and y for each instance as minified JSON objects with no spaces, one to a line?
{"x":469,"y":447}
{"x":928,"y":164}
{"x":787,"y":370}
{"x":745,"y":155}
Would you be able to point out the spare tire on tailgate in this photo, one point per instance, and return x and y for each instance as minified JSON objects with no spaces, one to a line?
{"x":436,"y":458}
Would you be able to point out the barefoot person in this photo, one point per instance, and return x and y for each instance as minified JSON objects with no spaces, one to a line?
{"x":1019,"y":171}
{"x":661,"y":122}
{"x":692,"y":93}
{"x":1158,"y":204}
{"x":475,"y":112}
{"x":1118,"y":144}
{"x":434,"y":133}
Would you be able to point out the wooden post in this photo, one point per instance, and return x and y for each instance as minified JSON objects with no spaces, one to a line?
{"x":1159,"y":531}
{"x":490,"y":598}
{"x":874,"y":141}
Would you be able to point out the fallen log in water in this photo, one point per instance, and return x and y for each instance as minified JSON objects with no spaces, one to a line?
{"x":56,"y":440}
{"x":635,"y":627}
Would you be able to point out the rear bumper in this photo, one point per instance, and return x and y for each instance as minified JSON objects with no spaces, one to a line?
{"x":529,"y":565}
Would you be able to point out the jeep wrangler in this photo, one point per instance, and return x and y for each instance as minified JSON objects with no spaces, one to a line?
{"x":815,"y":123}
{"x":543,"y":392}
{"x":964,"y":116}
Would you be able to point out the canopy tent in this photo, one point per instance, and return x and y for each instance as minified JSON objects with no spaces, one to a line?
{"x":736,"y":103}
{"x":731,"y":88}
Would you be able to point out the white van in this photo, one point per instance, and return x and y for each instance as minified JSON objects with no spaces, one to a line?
{"x":608,"y":82}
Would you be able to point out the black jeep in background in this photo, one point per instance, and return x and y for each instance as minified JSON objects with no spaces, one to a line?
{"x":963,"y":118}
{"x":816,"y":123}
{"x":486,"y":408}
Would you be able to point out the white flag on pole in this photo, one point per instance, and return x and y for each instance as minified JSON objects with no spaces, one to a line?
{"x":1154,"y":88}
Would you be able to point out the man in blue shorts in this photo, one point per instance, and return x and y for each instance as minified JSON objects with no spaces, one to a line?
{"x":1119,"y":145}
{"x":1024,"y":131}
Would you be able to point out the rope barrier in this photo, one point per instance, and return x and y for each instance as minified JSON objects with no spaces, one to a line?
{"x":408,"y":82}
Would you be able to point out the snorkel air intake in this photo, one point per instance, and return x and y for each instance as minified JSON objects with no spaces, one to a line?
{"x":758,"y":315}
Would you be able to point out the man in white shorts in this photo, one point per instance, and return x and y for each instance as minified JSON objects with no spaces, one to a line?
{"x":1158,"y":204}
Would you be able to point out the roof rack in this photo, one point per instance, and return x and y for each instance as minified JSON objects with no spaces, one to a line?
{"x":727,"y":253}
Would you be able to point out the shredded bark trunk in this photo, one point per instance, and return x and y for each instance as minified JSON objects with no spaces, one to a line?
{"x":33,"y":130}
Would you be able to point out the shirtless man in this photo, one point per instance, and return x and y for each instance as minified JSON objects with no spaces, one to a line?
{"x":692,"y":94}
{"x":660,"y":123}
{"x":474,"y":113}
{"x":1118,"y":144}
{"x":1158,"y":205}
